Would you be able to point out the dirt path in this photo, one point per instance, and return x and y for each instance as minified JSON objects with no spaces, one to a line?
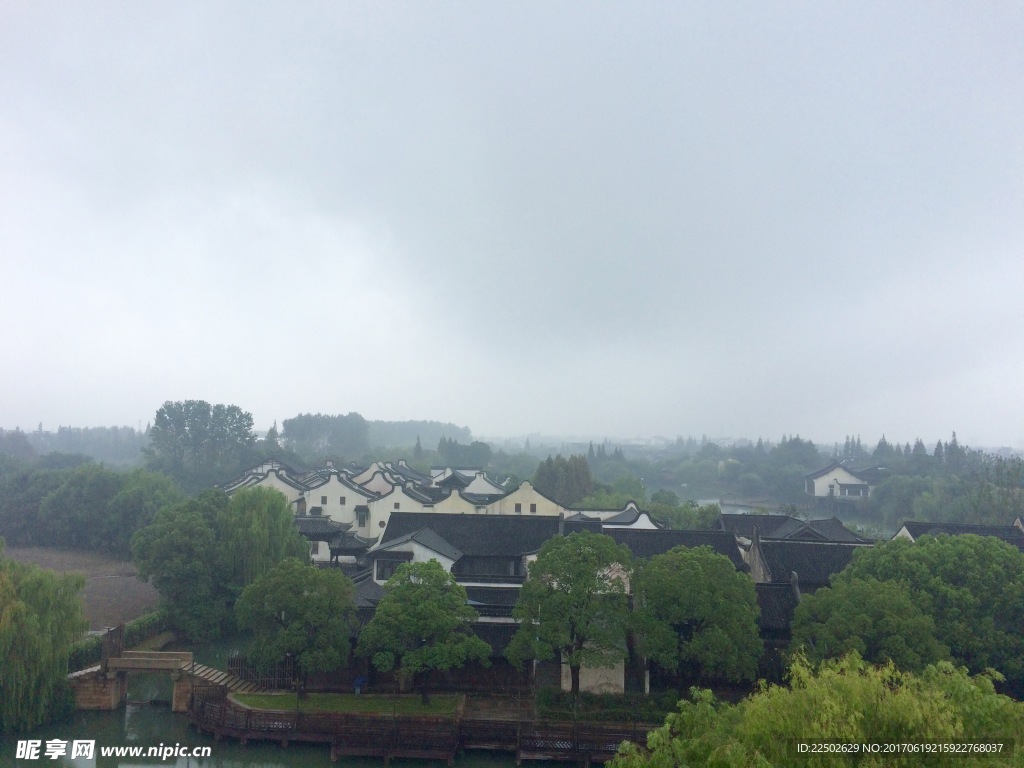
{"x":112,"y":594}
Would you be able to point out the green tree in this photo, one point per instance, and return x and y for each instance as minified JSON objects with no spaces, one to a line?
{"x":573,"y":606}
{"x":77,"y":513}
{"x":199,"y":444}
{"x":689,"y":516}
{"x":666,"y":497}
{"x":201,"y":554}
{"x":298,"y":610}
{"x":956,"y":456}
{"x":878,"y":619}
{"x":40,"y":616}
{"x":567,"y":481}
{"x":313,"y":436}
{"x":423,"y":623}
{"x":255,"y":531}
{"x":971,"y":586}
{"x":142,"y":494}
{"x":692,"y":607}
{"x":15,"y":443}
{"x":179,"y":554}
{"x":21,"y":495}
{"x":994,"y":495}
{"x":848,"y":701}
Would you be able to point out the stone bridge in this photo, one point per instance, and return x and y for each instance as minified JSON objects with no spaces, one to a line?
{"x":104,"y":686}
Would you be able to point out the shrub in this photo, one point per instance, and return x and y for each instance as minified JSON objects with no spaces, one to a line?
{"x":85,"y":653}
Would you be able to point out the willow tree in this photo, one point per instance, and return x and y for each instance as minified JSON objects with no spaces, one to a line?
{"x":40,"y":616}
{"x":255,"y":533}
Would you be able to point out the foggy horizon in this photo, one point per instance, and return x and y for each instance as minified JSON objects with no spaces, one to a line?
{"x":563,"y":219}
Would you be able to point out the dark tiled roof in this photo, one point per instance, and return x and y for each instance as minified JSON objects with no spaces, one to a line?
{"x":348,"y":543}
{"x":827,"y":529}
{"x":325,"y":477}
{"x":454,"y":481}
{"x":743,"y":525}
{"x":645,"y":544}
{"x":425,"y":537}
{"x":572,"y":526}
{"x":625,"y":517}
{"x":580,"y":517}
{"x":832,"y":529}
{"x":857,"y":473}
{"x":368,"y":593}
{"x":409,"y":473}
{"x":319,"y":527}
{"x":1008,"y":533}
{"x":477,"y":535}
{"x":777,"y":603}
{"x":482,"y":499}
{"x":813,"y":561}
{"x":787,"y":527}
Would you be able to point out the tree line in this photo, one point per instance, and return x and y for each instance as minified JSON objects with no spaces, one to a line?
{"x":82,"y":506}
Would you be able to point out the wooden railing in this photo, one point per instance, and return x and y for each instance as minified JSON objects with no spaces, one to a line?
{"x":390,"y":736}
{"x":281,"y":677}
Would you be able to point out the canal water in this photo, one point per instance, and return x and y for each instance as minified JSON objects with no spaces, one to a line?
{"x":154,"y":725}
{"x":147,"y":721}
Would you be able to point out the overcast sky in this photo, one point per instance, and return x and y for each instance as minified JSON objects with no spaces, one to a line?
{"x":586,"y":218}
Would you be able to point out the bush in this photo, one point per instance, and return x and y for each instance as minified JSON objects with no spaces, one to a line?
{"x":88,"y":651}
{"x":145,"y":627}
{"x":85,"y":653}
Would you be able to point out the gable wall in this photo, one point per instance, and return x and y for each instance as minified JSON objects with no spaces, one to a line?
{"x":420,"y":554}
{"x":525,"y":495}
{"x":454,"y":504}
{"x":381,"y":509}
{"x":335,"y":491}
{"x":273,"y":481}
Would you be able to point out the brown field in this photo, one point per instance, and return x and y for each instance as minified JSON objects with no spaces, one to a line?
{"x":112,"y":594}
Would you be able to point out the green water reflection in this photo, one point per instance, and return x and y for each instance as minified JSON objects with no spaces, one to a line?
{"x":147,"y":721}
{"x":155,"y":725}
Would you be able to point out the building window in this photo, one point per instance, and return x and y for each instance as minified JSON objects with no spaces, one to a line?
{"x":533,"y":509}
{"x":386,"y":569}
{"x":343,"y":501}
{"x":323,"y":500}
{"x":361,"y":517}
{"x":397,"y":504}
{"x":519,"y":508}
{"x":314,"y":547}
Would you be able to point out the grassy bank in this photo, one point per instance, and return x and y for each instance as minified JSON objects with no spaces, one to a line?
{"x":440,"y":706}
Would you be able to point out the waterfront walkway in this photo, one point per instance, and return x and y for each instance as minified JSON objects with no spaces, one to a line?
{"x":491,"y":723}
